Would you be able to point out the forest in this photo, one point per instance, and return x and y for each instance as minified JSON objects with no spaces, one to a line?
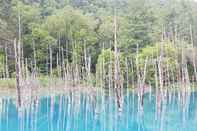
{"x":78,"y":35}
{"x":98,"y":65}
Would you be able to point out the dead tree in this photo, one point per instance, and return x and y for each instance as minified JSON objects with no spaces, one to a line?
{"x":34,"y":55}
{"x":17,"y":67}
{"x":17,"y":48}
{"x":63,"y":64}
{"x":117,"y":73}
{"x":51,"y":61}
{"x":6,"y":63}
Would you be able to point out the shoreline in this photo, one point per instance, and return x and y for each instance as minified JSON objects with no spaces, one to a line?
{"x":6,"y":92}
{"x":44,"y":87}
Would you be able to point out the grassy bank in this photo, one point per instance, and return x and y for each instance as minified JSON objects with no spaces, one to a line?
{"x":43,"y":81}
{"x":7,"y":83}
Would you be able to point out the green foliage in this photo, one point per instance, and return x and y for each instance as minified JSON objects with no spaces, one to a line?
{"x":153,"y":55}
{"x":70,"y":23}
{"x":153,"y":52}
{"x":139,"y":25}
{"x":10,"y":83}
{"x":41,"y":39}
{"x":85,"y":26}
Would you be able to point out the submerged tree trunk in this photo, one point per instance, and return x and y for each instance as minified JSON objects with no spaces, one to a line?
{"x":17,"y":47}
{"x":17,"y":67}
{"x":117,"y":73}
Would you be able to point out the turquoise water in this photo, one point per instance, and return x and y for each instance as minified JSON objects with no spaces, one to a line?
{"x":85,"y":112}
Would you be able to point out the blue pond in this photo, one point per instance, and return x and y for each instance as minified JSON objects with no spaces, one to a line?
{"x":85,"y":112}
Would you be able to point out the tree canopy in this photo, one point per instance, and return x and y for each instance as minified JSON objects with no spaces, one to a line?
{"x":86,"y":27}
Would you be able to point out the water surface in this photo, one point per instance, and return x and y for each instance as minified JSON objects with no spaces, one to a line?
{"x":84,"y":112}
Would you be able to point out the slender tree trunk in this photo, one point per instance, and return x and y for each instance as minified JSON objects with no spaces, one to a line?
{"x":63,"y":64}
{"x":26,"y":69}
{"x":4,"y":70}
{"x":51,"y":61}
{"x":85,"y":59}
{"x":19,"y":44}
{"x":6,"y":63}
{"x":34,"y":53}
{"x":59,"y":57}
{"x":17,"y":67}
{"x":57,"y":65}
{"x":127,"y":71}
{"x":117,"y":73}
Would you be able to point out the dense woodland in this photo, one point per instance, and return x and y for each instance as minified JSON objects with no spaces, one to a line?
{"x":81,"y":32}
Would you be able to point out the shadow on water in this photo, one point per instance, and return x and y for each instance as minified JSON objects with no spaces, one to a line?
{"x":76,"y":111}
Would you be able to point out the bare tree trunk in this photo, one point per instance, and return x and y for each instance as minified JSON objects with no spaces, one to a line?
{"x":137,"y":67}
{"x":47,"y":63}
{"x":132,"y":72}
{"x":57,"y":65}
{"x":117,"y":73}
{"x":17,"y":47}
{"x":73,"y":66}
{"x":6,"y":63}
{"x":51,"y":61}
{"x":103,"y":68}
{"x":26,"y":69}
{"x":85,"y":59}
{"x":17,"y":64}
{"x":22,"y":60}
{"x":127,"y":71}
{"x":19,"y":44}
{"x":89,"y":68}
{"x":191,"y":36}
{"x":141,"y":88}
{"x":34,"y":53}
{"x":110,"y":70}
{"x":63,"y":64}
{"x":160,"y":64}
{"x":59,"y":58}
{"x":4,"y":70}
